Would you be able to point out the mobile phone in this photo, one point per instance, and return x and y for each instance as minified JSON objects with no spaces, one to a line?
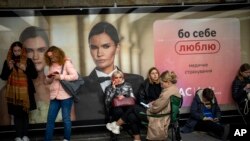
{"x":50,"y":75}
{"x":144,"y":104}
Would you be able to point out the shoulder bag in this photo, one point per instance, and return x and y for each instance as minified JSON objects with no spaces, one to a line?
{"x":72,"y":87}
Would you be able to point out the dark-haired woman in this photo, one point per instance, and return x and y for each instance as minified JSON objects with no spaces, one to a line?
{"x":241,"y":90}
{"x":18,"y":71}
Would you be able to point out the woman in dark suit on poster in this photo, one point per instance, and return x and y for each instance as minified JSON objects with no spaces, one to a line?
{"x":104,"y":44}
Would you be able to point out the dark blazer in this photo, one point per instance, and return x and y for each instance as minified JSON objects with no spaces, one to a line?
{"x":91,"y":97}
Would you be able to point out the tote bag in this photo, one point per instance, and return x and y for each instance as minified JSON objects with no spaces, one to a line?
{"x":72,"y":87}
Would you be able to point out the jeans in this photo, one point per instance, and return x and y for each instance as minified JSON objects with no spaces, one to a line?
{"x":54,"y":108}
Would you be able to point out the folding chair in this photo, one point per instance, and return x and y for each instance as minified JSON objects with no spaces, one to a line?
{"x":176,"y":103}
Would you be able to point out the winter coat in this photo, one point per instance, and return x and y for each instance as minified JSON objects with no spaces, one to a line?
{"x":196,"y":112}
{"x":238,"y":92}
{"x":144,"y":94}
{"x":158,"y":127}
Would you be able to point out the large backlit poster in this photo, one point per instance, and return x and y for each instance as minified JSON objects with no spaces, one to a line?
{"x":204,"y":46}
{"x":203,"y":53}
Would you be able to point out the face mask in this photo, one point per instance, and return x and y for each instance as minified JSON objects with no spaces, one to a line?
{"x":17,"y":53}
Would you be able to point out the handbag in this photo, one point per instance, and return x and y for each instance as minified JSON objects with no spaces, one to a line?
{"x":72,"y":87}
{"x":126,"y":101}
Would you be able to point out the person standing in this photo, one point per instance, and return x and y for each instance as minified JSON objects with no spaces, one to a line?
{"x":60,"y":68}
{"x":18,"y":71}
{"x":36,"y":42}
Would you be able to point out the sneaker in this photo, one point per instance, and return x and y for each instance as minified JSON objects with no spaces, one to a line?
{"x":65,"y":140}
{"x":113,"y":127}
{"x":18,"y":139}
{"x":226,"y":132}
{"x":25,"y":138}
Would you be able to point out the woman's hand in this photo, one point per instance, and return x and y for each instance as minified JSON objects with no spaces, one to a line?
{"x":21,"y":66}
{"x":57,"y":76}
{"x":215,"y":119}
{"x":208,"y":118}
{"x":11,"y":64}
{"x":247,"y":87}
{"x":120,"y":97}
{"x":150,"y":103}
{"x":114,"y":83}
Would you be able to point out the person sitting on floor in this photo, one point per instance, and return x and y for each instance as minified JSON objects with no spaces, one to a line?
{"x":205,"y":115}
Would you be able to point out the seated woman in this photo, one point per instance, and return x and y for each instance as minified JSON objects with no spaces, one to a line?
{"x":158,"y":127}
{"x":241,"y":90}
{"x":122,"y":114}
{"x":149,"y":91}
{"x":205,"y":115}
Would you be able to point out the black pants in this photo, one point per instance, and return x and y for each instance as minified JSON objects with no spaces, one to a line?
{"x":210,"y":126}
{"x":137,"y":110}
{"x":245,"y":113}
{"x":21,"y":123}
{"x":128,"y":116}
{"x":21,"y":119}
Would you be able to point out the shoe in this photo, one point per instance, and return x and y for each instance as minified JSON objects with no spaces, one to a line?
{"x":113,"y":127}
{"x":226,"y":132}
{"x":65,"y":140}
{"x":18,"y":139}
{"x":25,"y":138}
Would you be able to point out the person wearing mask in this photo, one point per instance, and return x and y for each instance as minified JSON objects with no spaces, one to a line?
{"x":60,"y":68}
{"x":205,"y":115}
{"x":18,"y":71}
{"x":158,"y":127}
{"x":241,"y":90}
{"x":122,"y":114}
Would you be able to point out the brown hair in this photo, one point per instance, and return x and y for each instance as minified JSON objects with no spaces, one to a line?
{"x":208,"y":94}
{"x":59,"y":53}
{"x":149,"y":72}
{"x":169,"y":76}
{"x":243,"y":67}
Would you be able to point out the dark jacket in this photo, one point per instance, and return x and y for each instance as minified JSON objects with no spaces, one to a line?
{"x":91,"y":97}
{"x":196,"y":112}
{"x":238,"y":92}
{"x":125,"y":89}
{"x":146,"y":95}
{"x":31,"y":74}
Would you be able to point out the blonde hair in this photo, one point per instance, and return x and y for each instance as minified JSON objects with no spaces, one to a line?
{"x":116,"y":73}
{"x":169,"y":76}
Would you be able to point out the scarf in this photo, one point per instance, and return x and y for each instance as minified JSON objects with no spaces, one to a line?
{"x":17,"y":84}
